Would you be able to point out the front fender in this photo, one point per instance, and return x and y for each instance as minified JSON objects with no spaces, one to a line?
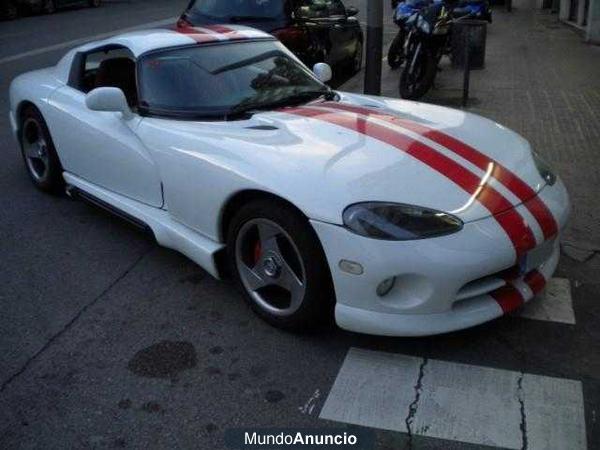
{"x":35,"y":88}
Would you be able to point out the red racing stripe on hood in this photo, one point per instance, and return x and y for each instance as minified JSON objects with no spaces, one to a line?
{"x":503,"y":211}
{"x":510,"y":180}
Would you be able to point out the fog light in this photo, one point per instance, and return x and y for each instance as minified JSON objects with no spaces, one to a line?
{"x":351,"y":267}
{"x":385,"y":286}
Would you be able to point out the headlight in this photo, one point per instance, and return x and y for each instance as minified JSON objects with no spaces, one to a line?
{"x":544,"y":169}
{"x":411,"y":19}
{"x":396,"y":222}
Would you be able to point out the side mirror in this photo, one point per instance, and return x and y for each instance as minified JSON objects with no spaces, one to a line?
{"x":323,"y":72}
{"x":109,"y":99}
{"x":352,"y":11}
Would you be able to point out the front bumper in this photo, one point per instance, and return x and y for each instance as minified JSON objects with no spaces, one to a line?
{"x":442,"y":284}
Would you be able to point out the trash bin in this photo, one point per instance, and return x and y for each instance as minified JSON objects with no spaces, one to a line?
{"x":475,"y":33}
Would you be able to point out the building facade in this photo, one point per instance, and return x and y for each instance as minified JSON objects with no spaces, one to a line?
{"x":584,"y":14}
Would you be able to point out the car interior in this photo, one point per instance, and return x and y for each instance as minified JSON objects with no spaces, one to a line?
{"x":111,"y":68}
{"x":120,"y":73}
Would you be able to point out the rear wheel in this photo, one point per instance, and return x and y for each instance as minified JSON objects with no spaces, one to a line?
{"x":279,"y":265}
{"x":39,"y":154}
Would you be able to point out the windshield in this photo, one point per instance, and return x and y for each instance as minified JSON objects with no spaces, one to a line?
{"x":224,"y":79}
{"x":225,"y":10}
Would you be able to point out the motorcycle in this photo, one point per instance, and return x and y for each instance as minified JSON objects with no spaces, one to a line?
{"x":428,"y":39}
{"x":402,"y":12}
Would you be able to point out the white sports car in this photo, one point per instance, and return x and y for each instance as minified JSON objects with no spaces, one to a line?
{"x":401,"y":218}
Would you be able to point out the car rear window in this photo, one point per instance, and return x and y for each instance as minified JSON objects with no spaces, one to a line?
{"x":240,"y":9}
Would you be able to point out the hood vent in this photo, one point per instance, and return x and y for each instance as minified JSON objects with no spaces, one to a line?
{"x":262,"y":127}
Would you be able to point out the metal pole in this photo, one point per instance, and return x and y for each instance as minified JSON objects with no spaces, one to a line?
{"x":467,"y":63}
{"x":374,"y":47}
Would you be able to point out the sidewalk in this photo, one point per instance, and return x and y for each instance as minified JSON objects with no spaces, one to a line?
{"x":542,"y":81}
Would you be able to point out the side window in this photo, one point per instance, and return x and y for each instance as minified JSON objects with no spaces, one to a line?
{"x":114,"y":67}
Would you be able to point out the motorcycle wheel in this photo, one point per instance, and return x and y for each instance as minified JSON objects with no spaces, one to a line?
{"x":396,"y":51}
{"x":417,"y":78}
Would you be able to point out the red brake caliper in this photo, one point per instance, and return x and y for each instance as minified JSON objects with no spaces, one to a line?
{"x":257,"y":251}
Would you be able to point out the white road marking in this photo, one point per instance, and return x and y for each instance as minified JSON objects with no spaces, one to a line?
{"x":310,"y":404}
{"x":83,"y":40}
{"x":373,"y":389}
{"x":555,"y":304}
{"x":457,"y":402}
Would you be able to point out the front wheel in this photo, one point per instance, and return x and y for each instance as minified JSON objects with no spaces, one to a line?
{"x":39,"y":154}
{"x":418,"y":74}
{"x":279,"y":265}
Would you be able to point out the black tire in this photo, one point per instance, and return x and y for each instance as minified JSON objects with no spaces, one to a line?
{"x":415,"y":83}
{"x":94,"y":3}
{"x":316,"y":307}
{"x":396,"y":51}
{"x":52,"y":181}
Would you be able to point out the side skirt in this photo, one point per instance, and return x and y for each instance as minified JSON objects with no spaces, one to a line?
{"x":78,"y":194}
{"x":167,"y":231}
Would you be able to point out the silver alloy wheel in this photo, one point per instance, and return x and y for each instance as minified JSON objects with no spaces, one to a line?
{"x":35,"y":148}
{"x":269,"y":264}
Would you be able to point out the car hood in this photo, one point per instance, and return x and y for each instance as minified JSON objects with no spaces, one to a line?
{"x":327,"y":155}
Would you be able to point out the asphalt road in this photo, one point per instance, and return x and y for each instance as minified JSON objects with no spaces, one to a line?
{"x":107,"y":340}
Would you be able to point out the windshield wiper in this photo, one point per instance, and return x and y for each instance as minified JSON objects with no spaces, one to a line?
{"x":293,"y":99}
{"x":328,"y":94}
